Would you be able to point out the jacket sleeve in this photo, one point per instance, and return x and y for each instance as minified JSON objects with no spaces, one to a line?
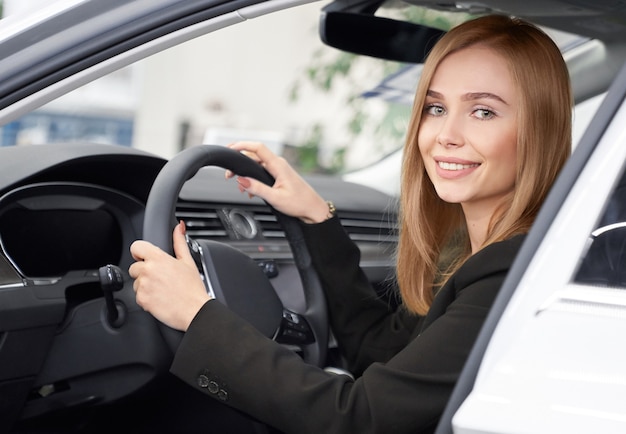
{"x":365,"y":326}
{"x":226,"y":358}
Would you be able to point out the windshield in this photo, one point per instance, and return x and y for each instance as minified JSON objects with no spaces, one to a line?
{"x":311,"y":102}
{"x":325,"y":110}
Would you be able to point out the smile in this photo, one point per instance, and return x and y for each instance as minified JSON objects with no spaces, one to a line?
{"x":455,"y":166}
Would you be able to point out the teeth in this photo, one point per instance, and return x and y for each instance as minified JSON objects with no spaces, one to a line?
{"x":455,"y":166}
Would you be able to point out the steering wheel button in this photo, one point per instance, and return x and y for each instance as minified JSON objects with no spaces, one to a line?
{"x":291,"y":317}
{"x":300,"y":327}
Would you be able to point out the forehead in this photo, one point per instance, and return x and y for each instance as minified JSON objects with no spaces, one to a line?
{"x":474,"y":69}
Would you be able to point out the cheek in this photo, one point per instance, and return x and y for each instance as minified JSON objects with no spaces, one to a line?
{"x":502,"y":146}
{"x":425,"y":139}
{"x":506,"y":155}
{"x":510,"y":147}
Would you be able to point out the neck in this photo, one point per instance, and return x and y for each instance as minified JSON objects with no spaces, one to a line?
{"x":477,"y":221}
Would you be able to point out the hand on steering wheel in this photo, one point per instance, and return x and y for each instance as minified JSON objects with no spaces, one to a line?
{"x":168,"y":287}
{"x":289,"y":194}
{"x":234,"y":278}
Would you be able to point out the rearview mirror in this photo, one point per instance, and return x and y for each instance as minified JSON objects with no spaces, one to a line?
{"x":375,"y":36}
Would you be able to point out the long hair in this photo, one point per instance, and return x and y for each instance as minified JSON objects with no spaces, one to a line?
{"x":427,"y":223}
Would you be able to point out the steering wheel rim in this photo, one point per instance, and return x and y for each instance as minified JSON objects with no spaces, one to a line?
{"x":160,"y":219}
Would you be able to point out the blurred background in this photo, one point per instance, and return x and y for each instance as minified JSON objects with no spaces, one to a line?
{"x":225,"y":86}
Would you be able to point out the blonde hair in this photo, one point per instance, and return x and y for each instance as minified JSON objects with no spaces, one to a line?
{"x":427,"y":223}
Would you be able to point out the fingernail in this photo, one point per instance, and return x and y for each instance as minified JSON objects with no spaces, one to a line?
{"x":183,"y":228}
{"x":244,"y":182}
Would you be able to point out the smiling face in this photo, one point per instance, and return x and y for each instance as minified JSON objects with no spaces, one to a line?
{"x":468,"y":132}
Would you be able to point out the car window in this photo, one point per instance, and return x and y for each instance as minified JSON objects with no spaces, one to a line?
{"x":604,"y":261}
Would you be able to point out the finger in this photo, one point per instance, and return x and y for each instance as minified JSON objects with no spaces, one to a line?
{"x":140,"y":249}
{"x":257,"y":151}
{"x":228,"y":174}
{"x":276,"y":166}
{"x":245,"y":145}
{"x":256,"y":188}
{"x":250,"y":150}
{"x":134,"y":270}
{"x":181,"y":248}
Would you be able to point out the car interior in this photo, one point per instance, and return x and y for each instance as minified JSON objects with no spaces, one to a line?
{"x":77,"y":354}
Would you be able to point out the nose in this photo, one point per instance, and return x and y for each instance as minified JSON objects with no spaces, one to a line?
{"x":450,"y":133}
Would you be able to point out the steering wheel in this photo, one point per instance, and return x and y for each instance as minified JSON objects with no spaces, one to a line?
{"x":234,"y":278}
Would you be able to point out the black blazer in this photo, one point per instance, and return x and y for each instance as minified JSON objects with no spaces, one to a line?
{"x":406,"y":366}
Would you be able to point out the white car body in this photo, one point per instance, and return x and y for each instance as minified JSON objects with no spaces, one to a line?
{"x":555,"y":362}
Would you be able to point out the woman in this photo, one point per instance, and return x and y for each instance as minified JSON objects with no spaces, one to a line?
{"x":489,"y":132}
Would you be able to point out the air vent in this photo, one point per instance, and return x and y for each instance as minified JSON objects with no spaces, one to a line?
{"x":270,"y":228}
{"x":370,"y":228}
{"x":201,"y":220}
{"x":226,"y":222}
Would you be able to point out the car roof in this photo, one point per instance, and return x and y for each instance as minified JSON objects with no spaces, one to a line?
{"x":598,"y":19}
{"x":603,"y":21}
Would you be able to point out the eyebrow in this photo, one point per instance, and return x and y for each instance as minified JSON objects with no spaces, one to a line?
{"x":471,"y":96}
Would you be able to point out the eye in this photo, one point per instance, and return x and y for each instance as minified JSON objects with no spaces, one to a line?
{"x":484,"y":114}
{"x":434,"y":110}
